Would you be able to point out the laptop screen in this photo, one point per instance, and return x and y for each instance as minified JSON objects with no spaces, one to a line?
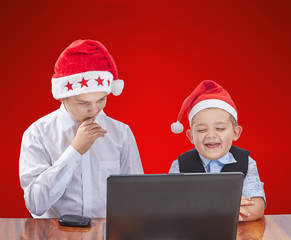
{"x":173,"y":206}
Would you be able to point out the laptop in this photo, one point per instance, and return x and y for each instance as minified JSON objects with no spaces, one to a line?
{"x":173,"y":206}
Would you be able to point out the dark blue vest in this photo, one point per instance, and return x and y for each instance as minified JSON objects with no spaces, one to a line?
{"x":190,"y":162}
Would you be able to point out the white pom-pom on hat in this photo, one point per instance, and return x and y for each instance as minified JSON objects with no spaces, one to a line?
{"x":177,"y":127}
{"x":117,"y":87}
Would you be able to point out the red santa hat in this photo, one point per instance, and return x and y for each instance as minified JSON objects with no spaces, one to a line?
{"x":85,"y":66}
{"x":208,"y":94}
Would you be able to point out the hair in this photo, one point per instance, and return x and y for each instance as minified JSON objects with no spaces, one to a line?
{"x":233,"y":121}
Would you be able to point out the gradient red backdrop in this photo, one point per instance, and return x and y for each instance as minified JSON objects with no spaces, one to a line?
{"x":162,"y":49}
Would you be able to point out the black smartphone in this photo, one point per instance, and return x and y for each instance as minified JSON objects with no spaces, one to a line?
{"x":69,"y":220}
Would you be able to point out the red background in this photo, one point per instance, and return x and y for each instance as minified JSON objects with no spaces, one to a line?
{"x":162,"y":49}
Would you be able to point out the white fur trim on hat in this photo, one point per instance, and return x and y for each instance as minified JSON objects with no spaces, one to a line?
{"x":85,"y":82}
{"x":212,"y":103}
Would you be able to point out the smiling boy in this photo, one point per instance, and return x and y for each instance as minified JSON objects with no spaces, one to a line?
{"x":213,"y":120}
{"x":67,"y":155}
{"x":213,"y":132}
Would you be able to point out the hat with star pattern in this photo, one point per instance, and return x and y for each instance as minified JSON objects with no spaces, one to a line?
{"x":208,"y":94}
{"x":85,"y":66}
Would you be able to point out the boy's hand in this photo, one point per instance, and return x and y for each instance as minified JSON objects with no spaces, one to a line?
{"x":86,"y":134}
{"x":243,"y":213}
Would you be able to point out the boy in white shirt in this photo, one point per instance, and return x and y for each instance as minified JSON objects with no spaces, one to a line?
{"x":67,"y":155}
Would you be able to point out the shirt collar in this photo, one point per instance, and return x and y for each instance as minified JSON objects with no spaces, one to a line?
{"x":67,"y":121}
{"x":226,"y":159}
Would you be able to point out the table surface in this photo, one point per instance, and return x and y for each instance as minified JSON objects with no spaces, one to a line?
{"x":276,"y":227}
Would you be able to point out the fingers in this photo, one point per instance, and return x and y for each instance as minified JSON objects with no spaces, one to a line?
{"x":96,"y":130}
{"x":86,"y":134}
{"x":87,"y":122}
{"x":89,"y":126}
{"x":244,"y":212}
{"x":246,"y":201}
{"x":98,"y":133}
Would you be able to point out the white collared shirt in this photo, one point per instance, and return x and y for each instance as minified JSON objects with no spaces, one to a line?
{"x":57,"y":180}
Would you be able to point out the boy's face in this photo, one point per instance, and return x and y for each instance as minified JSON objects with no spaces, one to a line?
{"x":84,"y":106}
{"x":212,"y":133}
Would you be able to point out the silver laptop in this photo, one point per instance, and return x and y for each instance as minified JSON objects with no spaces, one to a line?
{"x":173,"y":206}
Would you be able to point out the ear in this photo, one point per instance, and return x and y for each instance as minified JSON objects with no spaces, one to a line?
{"x":189,"y":135}
{"x":237,"y":132}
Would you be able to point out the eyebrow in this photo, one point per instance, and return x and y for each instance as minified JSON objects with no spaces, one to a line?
{"x":78,"y":100}
{"x":199,"y":125}
{"x":103,"y":97}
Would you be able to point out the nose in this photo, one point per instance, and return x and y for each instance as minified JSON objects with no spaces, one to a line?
{"x":93,"y":110}
{"x":211,"y":133}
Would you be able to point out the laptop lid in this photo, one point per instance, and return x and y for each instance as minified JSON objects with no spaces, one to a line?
{"x":173,"y":206}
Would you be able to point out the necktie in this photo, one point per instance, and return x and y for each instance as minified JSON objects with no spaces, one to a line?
{"x":214,"y":166}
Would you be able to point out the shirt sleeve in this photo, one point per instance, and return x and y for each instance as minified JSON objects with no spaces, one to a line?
{"x":252,"y":186}
{"x":130,"y":158}
{"x":43,"y":182}
{"x":175,"y":167}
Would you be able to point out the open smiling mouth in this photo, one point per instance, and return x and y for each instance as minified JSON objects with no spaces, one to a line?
{"x":212,"y":145}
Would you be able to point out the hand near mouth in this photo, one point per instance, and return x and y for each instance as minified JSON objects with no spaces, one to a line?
{"x":86,"y":134}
